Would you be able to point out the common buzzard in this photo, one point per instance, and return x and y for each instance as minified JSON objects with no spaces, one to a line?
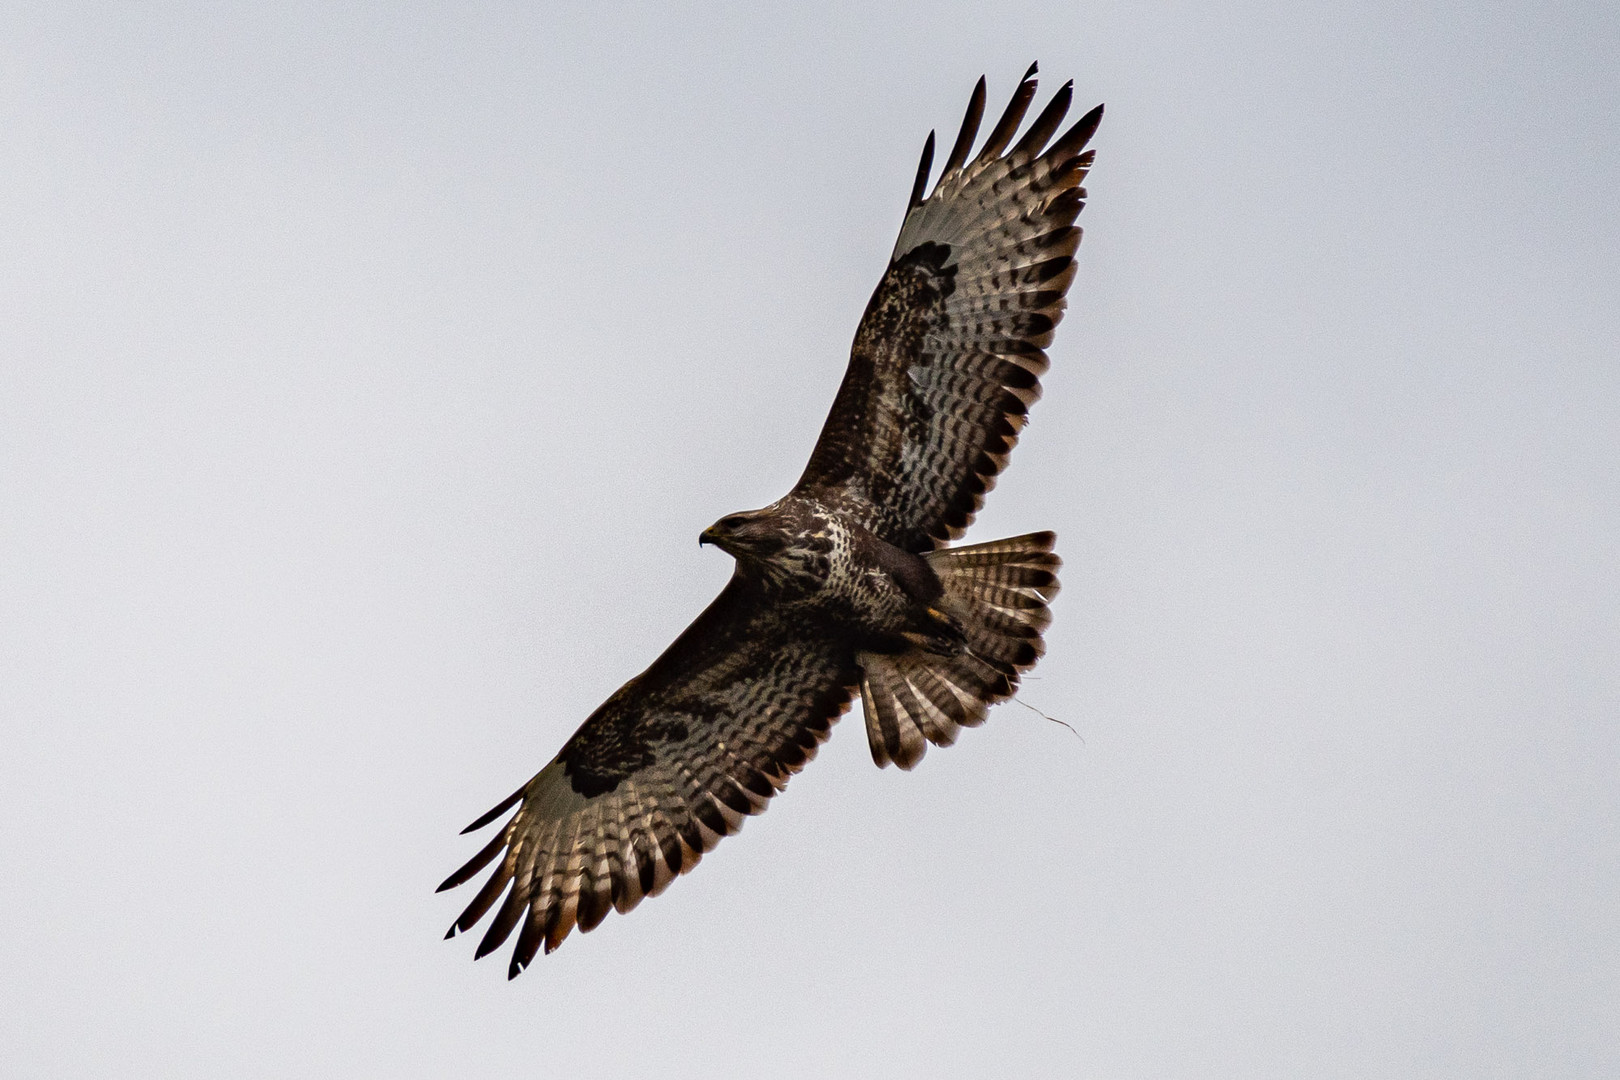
{"x":844,"y":585}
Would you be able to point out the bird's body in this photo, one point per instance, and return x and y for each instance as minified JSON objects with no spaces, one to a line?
{"x":844,"y":585}
{"x":829,"y":572}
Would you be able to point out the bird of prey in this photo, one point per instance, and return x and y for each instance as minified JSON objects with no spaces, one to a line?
{"x":845,"y":585}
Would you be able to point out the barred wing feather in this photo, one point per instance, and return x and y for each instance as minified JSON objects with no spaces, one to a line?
{"x":672,"y":762}
{"x":949,"y":354}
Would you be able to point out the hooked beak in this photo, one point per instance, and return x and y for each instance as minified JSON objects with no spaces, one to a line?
{"x":711,"y":535}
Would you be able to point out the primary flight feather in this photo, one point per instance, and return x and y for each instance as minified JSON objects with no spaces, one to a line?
{"x":844,"y":585}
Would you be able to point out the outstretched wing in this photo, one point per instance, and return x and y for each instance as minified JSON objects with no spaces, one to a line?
{"x":655,"y":777}
{"x":948,"y":357}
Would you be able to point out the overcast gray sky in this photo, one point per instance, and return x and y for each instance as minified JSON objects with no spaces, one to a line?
{"x":366,"y":376}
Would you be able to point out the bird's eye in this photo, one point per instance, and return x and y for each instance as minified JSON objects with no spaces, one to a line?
{"x":732,"y":523}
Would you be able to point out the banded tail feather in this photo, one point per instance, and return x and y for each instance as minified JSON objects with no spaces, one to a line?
{"x":999,"y":592}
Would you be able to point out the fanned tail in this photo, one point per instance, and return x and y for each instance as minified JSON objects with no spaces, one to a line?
{"x":1000,"y":592}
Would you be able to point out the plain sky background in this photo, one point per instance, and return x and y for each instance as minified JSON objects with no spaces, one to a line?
{"x":368,"y":372}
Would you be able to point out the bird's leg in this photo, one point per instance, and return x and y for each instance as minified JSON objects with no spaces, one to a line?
{"x":937,"y":631}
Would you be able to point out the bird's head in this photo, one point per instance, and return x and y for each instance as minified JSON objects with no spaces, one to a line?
{"x":779,"y":545}
{"x":755,"y":535}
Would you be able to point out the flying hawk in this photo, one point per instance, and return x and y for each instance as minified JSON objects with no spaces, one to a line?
{"x":844,"y":585}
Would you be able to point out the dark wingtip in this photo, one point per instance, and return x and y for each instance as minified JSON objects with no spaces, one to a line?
{"x":1074,"y":140}
{"x":476,"y":863}
{"x":1034,"y":68}
{"x":1034,"y":140}
{"x":1089,"y":122}
{"x":1003,"y":132}
{"x":923,"y":167}
{"x":505,"y":805}
{"x":450,"y":933}
{"x":969,"y":131}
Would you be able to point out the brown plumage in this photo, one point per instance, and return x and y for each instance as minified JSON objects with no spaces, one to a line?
{"x":844,"y":585}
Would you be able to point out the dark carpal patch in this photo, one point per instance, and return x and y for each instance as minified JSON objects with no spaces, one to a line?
{"x":596,"y":761}
{"x":598,"y":764}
